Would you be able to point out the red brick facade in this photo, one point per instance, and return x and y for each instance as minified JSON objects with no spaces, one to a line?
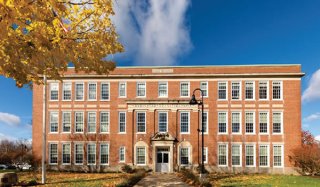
{"x":245,"y":132}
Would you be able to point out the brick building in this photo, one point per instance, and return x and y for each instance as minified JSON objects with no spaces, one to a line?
{"x":141,"y":116}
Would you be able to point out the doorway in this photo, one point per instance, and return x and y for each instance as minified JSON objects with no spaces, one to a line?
{"x":162,"y":164}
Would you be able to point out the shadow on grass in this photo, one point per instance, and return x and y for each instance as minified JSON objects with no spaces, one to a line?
{"x":84,"y":180}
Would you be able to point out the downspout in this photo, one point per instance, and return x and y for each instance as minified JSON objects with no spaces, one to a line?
{"x":133,"y":137}
{"x":154,"y":122}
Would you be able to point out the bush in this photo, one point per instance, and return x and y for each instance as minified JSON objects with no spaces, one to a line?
{"x":127,"y":169}
{"x":132,"y":180}
{"x":191,"y":178}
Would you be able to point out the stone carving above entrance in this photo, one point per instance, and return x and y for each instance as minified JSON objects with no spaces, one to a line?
{"x":163,"y":136}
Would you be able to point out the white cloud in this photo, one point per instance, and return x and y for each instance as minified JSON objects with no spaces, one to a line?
{"x":9,"y":119}
{"x":153,"y":32}
{"x":312,"y":117}
{"x":313,"y":90}
{"x":6,"y":137}
{"x":317,"y":137}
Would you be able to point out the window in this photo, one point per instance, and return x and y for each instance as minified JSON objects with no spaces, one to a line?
{"x":105,"y":91}
{"x":53,"y":153}
{"x":250,"y":155}
{"x":78,"y":154}
{"x":235,"y":90}
{"x":66,"y":121}
{"x":276,"y":90}
{"x":222,"y":122}
{"x":249,"y":90}
{"x":204,"y":88}
{"x":263,"y":155}
{"x":79,"y":121}
{"x":66,"y":154}
{"x":122,"y":89}
{"x":163,"y":122}
{"x":184,"y":156}
{"x":92,"y":91}
{"x":236,"y":155}
{"x":92,"y":122}
{"x":141,"y":122}
{"x":184,"y":89}
{"x":79,"y":91}
{"x":205,"y":122}
{"x":263,"y":122}
{"x":141,"y":89}
{"x":263,"y":90}
{"x":184,"y":122}
{"x":122,"y":122}
{"x":54,"y":118}
{"x":250,"y":122}
{"x":91,"y":154}
{"x":104,"y":122}
{"x":104,"y":154}
{"x":222,"y":90}
{"x":277,"y":122}
{"x":205,"y":155}
{"x":222,"y":155}
{"x":236,"y":122}
{"x":67,"y":91}
{"x":54,"y":91}
{"x":163,"y":89}
{"x":277,"y":155}
{"x":122,"y":153}
{"x":141,"y":155}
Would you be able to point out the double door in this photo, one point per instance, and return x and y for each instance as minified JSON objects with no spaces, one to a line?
{"x":162,"y":164}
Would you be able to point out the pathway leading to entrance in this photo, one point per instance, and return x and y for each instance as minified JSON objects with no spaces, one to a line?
{"x":161,"y":180}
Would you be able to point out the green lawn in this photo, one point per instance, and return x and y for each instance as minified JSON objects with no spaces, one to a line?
{"x":264,"y":180}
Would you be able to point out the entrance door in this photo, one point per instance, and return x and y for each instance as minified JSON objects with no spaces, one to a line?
{"x":162,"y":160}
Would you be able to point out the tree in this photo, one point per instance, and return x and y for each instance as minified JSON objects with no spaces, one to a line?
{"x":42,"y":37}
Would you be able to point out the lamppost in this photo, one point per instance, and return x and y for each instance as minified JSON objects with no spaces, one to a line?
{"x":194,"y":101}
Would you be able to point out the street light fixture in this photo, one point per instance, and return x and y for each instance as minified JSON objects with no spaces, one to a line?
{"x":194,"y":101}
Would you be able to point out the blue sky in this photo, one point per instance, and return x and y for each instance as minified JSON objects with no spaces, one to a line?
{"x":206,"y":32}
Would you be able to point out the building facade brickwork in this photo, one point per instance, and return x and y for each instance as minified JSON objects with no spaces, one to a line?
{"x":141,"y":116}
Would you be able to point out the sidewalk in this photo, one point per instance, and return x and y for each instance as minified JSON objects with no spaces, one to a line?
{"x":161,"y":180}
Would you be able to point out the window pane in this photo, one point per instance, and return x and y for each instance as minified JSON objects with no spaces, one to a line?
{"x":249,"y":122}
{"x":222,"y":122}
{"x":250,"y":155}
{"x":141,"y":155}
{"x":91,"y":154}
{"x":91,"y":122}
{"x":235,"y":122}
{"x":66,"y":121}
{"x":79,"y":91}
{"x":79,"y":153}
{"x":105,"y":91}
{"x":67,"y":91}
{"x":92,"y":91}
{"x":141,"y":122}
{"x":79,"y":121}
{"x":184,"y":89}
{"x":122,"y":154}
{"x":54,"y":91}
{"x":277,"y":155}
{"x":249,"y":90}
{"x":184,"y":122}
{"x":163,"y":89}
{"x":263,"y":122}
{"x":104,"y":122}
{"x":104,"y":153}
{"x":122,"y":122}
{"x":205,"y":121}
{"x":184,"y":156}
{"x":222,"y":154}
{"x":276,"y":120}
{"x":236,"y":153}
{"x":204,"y":88}
{"x":276,"y":90}
{"x":53,"y":153}
{"x":54,"y":118}
{"x":66,"y":153}
{"x":222,"y":90}
{"x":122,"y":89}
{"x":235,"y":86}
{"x":263,"y":155}
{"x":263,"y":90}
{"x":141,"y":89}
{"x":163,"y":123}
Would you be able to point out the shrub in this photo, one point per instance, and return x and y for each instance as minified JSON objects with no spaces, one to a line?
{"x":191,"y":178}
{"x":132,"y":180}
{"x":127,"y":169}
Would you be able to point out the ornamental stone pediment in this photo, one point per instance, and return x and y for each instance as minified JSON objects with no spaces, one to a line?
{"x":152,"y":105}
{"x":162,"y":136}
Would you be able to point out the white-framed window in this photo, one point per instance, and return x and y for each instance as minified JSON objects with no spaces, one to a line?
{"x":263,"y":90}
{"x":141,"y":122}
{"x":104,"y":154}
{"x":141,"y":89}
{"x":122,"y":154}
{"x":66,"y":121}
{"x":104,"y":122}
{"x":54,"y":122}
{"x":122,"y":122}
{"x":235,"y":90}
{"x":236,"y":122}
{"x":205,"y":122}
{"x":222,"y":90}
{"x":184,"y":89}
{"x":222,"y":123}
{"x":105,"y":91}
{"x":79,"y":87}
{"x":184,"y":156}
{"x":277,"y":122}
{"x":92,"y":91}
{"x":53,"y":153}
{"x":264,"y":155}
{"x":91,"y":154}
{"x":250,"y":155}
{"x":163,"y":89}
{"x":66,"y":153}
{"x":276,"y":90}
{"x":184,"y":122}
{"x":78,"y":151}
{"x":250,"y":122}
{"x":54,"y":91}
{"x":79,"y":121}
{"x":278,"y":155}
{"x":222,"y":154}
{"x":205,"y":155}
{"x":122,"y":89}
{"x":249,"y":91}
{"x":163,"y":121}
{"x":263,"y":122}
{"x":92,"y":121}
{"x":66,"y":91}
{"x":236,"y":154}
{"x":204,"y":88}
{"x":141,"y":155}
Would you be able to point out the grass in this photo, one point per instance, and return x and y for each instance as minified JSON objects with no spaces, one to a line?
{"x":263,"y":180}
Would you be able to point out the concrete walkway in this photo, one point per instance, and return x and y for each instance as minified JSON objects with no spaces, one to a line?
{"x":161,"y":180}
